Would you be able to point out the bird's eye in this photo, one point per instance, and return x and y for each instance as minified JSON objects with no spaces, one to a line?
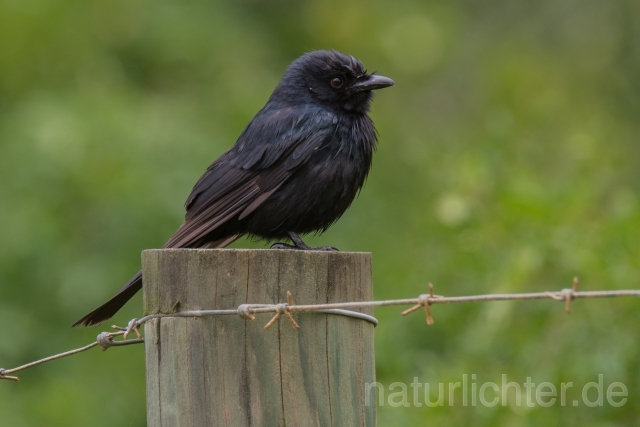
{"x":336,"y":82}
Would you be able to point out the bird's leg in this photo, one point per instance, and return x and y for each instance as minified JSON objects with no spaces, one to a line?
{"x":297,"y":241}
{"x":298,"y":244}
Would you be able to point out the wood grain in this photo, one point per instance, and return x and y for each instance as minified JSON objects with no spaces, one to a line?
{"x":227,"y":371}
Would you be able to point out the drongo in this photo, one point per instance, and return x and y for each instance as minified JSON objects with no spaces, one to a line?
{"x":295,"y":168}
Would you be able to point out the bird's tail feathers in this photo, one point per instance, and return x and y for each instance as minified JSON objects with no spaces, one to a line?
{"x":109,"y":308}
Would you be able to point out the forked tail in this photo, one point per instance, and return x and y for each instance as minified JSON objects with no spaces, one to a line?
{"x":109,"y":308}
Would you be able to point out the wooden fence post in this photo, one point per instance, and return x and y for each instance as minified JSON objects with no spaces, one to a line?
{"x":228,"y":371}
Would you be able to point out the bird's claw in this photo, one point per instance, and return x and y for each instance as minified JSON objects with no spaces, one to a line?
{"x":307,"y":248}
{"x":283,"y":246}
{"x":298,"y":244}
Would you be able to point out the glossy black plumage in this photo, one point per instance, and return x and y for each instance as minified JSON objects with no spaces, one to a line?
{"x":296,"y":167}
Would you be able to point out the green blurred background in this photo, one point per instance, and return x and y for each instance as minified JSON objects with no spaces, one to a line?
{"x":508,"y":161}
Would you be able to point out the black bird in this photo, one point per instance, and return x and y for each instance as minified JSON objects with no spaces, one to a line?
{"x":295,"y":169}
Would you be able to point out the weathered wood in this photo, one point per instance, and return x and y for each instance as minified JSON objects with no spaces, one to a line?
{"x":227,"y":371}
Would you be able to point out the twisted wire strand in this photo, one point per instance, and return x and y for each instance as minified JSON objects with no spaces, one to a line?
{"x":105,"y":340}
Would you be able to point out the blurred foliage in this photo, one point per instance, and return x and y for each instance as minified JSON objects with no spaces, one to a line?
{"x":508,"y":161}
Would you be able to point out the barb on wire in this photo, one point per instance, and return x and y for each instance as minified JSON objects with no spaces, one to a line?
{"x":424,"y":301}
{"x":283,"y":309}
{"x":567,"y":295}
{"x":106,"y":340}
{"x":131,"y":327}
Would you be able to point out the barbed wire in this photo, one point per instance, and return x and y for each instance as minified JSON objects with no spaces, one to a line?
{"x":105,"y":340}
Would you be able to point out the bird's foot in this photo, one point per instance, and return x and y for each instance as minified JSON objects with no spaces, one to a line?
{"x":296,"y":248}
{"x":281,"y":245}
{"x":298,"y":244}
{"x":325,"y":248}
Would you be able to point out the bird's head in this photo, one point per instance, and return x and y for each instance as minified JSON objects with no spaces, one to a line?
{"x":332,"y":79}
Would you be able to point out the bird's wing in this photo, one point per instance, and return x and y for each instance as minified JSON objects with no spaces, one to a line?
{"x":268,"y":152}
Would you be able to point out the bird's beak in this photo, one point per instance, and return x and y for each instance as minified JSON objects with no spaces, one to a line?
{"x":372,"y":83}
